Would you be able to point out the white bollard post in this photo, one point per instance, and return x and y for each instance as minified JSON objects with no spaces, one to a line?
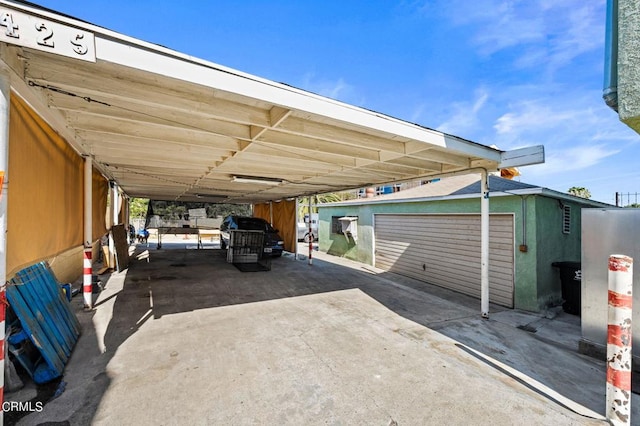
{"x":87,"y":279}
{"x":87,"y":268}
{"x":619,"y":339}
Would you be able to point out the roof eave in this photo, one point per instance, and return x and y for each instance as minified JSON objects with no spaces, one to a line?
{"x":517,"y":192}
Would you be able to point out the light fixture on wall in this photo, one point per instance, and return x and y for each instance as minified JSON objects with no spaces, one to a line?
{"x":257,"y":179}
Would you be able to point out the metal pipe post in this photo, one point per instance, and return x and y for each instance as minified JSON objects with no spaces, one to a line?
{"x":619,"y":339}
{"x":5,"y":106}
{"x":87,"y":269}
{"x":115,"y":198}
{"x":295,"y":257}
{"x":310,"y":235}
{"x":484,"y":244}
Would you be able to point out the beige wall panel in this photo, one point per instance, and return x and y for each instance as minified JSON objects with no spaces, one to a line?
{"x":99,"y":197}
{"x":284,"y":220}
{"x":45,"y":196}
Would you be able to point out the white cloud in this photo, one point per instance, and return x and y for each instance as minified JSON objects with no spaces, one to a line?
{"x":541,"y":63}
{"x":559,"y":160}
{"x":584,"y":31}
{"x":573,"y":118}
{"x":548,"y":32}
{"x":531,"y":124}
{"x":531,"y":116}
{"x":417,"y":113}
{"x":464,"y":115}
{"x":334,"y":89}
{"x":499,"y":23}
{"x":578,"y":131}
{"x":509,"y":29}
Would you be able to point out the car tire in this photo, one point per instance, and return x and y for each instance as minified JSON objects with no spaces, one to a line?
{"x":308,"y":237}
{"x":223,"y":245}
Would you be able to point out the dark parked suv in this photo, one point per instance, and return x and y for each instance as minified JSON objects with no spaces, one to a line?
{"x":273,"y":243}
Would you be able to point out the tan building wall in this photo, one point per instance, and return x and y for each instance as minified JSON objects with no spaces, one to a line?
{"x":67,"y":266}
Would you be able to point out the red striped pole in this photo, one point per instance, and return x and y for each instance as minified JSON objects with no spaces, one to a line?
{"x":619,"y":339}
{"x":87,"y":282}
{"x":310,"y":235}
{"x":87,"y":270}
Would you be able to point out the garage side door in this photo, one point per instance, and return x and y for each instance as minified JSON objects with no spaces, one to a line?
{"x":445,"y":250}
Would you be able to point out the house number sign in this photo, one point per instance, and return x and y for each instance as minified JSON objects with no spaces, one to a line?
{"x":37,"y":33}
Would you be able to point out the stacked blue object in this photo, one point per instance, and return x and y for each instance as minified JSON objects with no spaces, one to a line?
{"x":45,"y":320}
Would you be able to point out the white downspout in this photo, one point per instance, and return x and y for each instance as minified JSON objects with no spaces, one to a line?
{"x":484,"y":243}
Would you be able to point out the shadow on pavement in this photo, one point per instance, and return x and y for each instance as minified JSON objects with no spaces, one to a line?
{"x":167,"y":282}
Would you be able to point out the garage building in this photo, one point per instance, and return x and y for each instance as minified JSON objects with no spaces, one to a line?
{"x":432,"y":233}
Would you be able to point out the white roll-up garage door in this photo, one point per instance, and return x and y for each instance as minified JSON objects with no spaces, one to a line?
{"x":445,"y":250}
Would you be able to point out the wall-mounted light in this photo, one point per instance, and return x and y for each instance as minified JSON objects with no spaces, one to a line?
{"x":257,"y":179}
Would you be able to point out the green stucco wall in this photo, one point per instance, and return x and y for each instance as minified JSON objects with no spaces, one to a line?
{"x":555,"y":246}
{"x":526,"y":275}
{"x":537,"y":283}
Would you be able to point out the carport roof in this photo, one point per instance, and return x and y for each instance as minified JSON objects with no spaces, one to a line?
{"x":168,"y":126}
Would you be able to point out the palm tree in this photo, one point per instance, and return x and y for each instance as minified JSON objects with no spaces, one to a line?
{"x":579,"y":191}
{"x":330,"y":197}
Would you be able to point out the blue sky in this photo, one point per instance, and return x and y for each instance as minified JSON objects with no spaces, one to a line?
{"x":506,"y":73}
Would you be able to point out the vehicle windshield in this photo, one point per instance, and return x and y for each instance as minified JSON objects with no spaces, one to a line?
{"x":252,"y":224}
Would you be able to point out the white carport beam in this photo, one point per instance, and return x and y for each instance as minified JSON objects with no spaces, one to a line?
{"x":522,"y":157}
{"x":122,"y":50}
{"x":484,"y":243}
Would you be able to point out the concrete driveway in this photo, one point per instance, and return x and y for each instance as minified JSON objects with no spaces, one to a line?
{"x":182,"y":337}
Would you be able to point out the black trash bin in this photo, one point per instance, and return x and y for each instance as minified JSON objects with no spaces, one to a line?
{"x":571,"y":279}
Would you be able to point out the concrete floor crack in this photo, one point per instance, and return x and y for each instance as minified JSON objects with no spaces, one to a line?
{"x":315,"y":354}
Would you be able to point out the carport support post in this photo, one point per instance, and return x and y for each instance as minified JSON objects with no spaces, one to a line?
{"x":310,"y":233}
{"x":295,"y":257}
{"x":114,"y":206}
{"x":484,"y":244}
{"x":87,"y":269}
{"x":5,"y":102}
